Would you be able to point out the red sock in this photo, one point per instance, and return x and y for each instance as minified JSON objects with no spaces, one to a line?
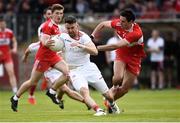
{"x":44,"y":84}
{"x":32,"y":89}
{"x":95,"y":107}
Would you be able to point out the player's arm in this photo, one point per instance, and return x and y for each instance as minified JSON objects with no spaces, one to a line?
{"x":14,"y":45}
{"x":31,"y":48}
{"x":99,"y":27}
{"x":89,"y":48}
{"x":46,"y":40}
{"x":110,"y":47}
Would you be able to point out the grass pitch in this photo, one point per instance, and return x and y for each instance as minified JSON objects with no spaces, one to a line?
{"x":143,"y":105}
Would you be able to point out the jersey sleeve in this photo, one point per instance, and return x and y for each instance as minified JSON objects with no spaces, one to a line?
{"x":34,"y":47}
{"x":162,"y":42}
{"x":114,"y":23}
{"x":46,"y":29}
{"x":86,"y":39}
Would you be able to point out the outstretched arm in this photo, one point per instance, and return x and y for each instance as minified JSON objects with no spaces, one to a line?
{"x":110,"y":47}
{"x":100,"y":26}
{"x":31,"y":48}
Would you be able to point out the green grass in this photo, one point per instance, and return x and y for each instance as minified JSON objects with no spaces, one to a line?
{"x":143,"y":105}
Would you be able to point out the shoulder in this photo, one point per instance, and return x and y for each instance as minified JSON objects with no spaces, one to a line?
{"x":47,"y":24}
{"x":137,"y":28}
{"x":84,"y":35}
{"x":115,"y":23}
{"x":8,"y":30}
{"x":64,"y":36}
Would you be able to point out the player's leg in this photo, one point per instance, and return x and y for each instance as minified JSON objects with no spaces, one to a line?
{"x":160,"y":73}
{"x":63,"y":67}
{"x":153,"y":75}
{"x":12,"y":78}
{"x":109,"y":99}
{"x":81,"y":85}
{"x":84,"y":91}
{"x":35,"y":76}
{"x":119,"y":68}
{"x":72,"y":94}
{"x":127,"y":83}
{"x":31,"y":98}
{"x":44,"y":84}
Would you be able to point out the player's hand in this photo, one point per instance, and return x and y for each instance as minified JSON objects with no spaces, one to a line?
{"x":49,"y":43}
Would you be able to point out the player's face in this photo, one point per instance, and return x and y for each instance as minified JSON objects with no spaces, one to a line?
{"x":124,"y":23}
{"x":57,"y":16}
{"x":2,"y":24}
{"x":48,"y":14}
{"x":72,"y":29}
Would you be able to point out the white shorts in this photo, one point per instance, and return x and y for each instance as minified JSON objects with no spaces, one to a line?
{"x":52,"y":74}
{"x":88,"y":74}
{"x":81,"y":77}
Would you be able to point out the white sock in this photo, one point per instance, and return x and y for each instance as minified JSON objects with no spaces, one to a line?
{"x":15,"y":97}
{"x":14,"y":89}
{"x":51,"y":91}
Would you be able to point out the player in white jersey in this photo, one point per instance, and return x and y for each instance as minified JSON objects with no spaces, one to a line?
{"x":78,"y":47}
{"x":50,"y":76}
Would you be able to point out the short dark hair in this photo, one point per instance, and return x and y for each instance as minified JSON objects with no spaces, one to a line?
{"x":57,"y":7}
{"x":128,"y":14}
{"x":70,"y":19}
{"x":46,"y":9}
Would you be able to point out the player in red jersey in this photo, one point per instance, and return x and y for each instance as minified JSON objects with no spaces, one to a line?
{"x":47,"y":13}
{"x":46,"y":58}
{"x":129,"y":51}
{"x":6,"y":36}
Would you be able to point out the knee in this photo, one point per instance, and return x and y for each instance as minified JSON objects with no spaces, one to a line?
{"x":32,"y":83}
{"x":10,"y":73}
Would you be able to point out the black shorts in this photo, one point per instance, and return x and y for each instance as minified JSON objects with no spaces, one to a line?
{"x":157,"y":66}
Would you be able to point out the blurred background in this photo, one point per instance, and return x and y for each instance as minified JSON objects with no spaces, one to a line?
{"x":25,"y":16}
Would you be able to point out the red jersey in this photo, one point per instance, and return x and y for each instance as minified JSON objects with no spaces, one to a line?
{"x":5,"y":39}
{"x":134,"y":36}
{"x":44,"y":53}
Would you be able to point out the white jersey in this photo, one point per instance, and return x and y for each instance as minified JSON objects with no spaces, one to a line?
{"x":113,"y":40}
{"x":159,"y":42}
{"x":74,"y":55}
{"x":84,"y":72}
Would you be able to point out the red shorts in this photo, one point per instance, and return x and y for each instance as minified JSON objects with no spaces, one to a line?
{"x":5,"y":57}
{"x":42,"y":66}
{"x":133,"y":65}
